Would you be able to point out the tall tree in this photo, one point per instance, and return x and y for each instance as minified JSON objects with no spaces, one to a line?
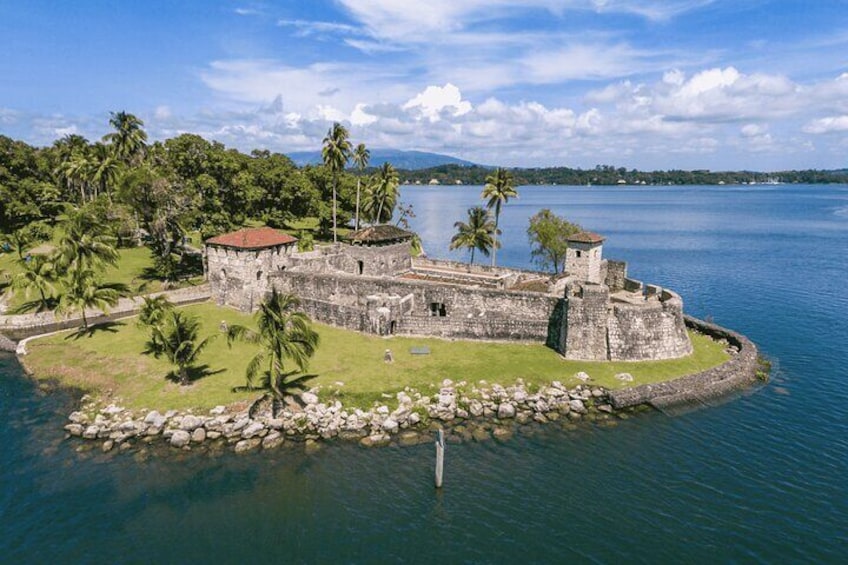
{"x":497,"y":192}
{"x":477,"y":234}
{"x":336,"y":152}
{"x":37,"y":275}
{"x":361,"y":156}
{"x":77,"y":170}
{"x":177,"y":339}
{"x":128,"y":140}
{"x":548,"y":234}
{"x":83,"y":289}
{"x":383,"y":194}
{"x":104,"y":170}
{"x":284,"y":333}
{"x":84,"y":244}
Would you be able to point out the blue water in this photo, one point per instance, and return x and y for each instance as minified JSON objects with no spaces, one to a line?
{"x":762,"y":477}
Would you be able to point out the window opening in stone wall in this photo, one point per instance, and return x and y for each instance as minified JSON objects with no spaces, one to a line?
{"x":579,"y":254}
{"x":438,"y":309}
{"x":259,"y":275}
{"x":392,"y":325}
{"x":360,"y":265}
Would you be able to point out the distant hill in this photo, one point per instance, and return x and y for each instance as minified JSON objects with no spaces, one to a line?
{"x":409,"y":160}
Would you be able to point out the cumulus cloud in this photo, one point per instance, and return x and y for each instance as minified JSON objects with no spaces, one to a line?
{"x":438,"y":99}
{"x":829,"y":124}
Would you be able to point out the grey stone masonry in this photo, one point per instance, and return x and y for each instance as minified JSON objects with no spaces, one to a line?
{"x":736,"y":373}
{"x":593,"y":312}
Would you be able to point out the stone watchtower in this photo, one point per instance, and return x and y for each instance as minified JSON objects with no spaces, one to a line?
{"x":238,"y":264}
{"x":583,"y":256}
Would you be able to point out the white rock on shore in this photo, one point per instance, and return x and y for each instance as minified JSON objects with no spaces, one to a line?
{"x":450,"y":405}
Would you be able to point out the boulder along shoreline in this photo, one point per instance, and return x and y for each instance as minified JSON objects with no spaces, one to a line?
{"x":466,"y":411}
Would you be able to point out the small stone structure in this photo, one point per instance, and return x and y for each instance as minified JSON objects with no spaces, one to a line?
{"x":371,"y":283}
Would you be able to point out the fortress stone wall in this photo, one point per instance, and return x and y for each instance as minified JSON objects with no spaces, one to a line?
{"x":592,"y":312}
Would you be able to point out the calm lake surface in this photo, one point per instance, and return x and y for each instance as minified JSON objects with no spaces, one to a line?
{"x":762,"y":477}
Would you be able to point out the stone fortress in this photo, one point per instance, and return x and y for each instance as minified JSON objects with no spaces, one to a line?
{"x":371,"y":283}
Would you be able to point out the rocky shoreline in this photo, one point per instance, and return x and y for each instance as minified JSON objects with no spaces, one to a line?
{"x":466,"y":412}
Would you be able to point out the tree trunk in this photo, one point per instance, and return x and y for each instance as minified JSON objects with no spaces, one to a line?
{"x":495,"y":246}
{"x":357,"y":203}
{"x":183,"y":376}
{"x":335,"y":237}
{"x":84,"y":319}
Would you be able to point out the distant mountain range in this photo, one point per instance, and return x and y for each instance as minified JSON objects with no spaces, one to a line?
{"x":409,"y":160}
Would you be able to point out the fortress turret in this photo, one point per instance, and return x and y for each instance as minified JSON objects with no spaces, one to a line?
{"x":583,"y":256}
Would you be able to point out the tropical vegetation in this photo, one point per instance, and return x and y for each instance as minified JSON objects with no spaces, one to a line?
{"x":548,"y":235}
{"x":477,"y":234}
{"x":283,"y":334}
{"x":175,"y":337}
{"x":496,"y":192}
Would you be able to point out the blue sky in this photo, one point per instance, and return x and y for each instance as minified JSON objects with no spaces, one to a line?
{"x":649,"y":84}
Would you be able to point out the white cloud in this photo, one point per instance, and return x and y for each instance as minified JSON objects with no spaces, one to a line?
{"x":308,"y":27}
{"x":67,"y":130}
{"x":435,"y":100}
{"x":404,"y":21}
{"x":361,"y":117}
{"x":829,"y":124}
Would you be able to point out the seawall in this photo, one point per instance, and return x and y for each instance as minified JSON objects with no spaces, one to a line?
{"x":738,"y":372}
{"x":17,"y":327}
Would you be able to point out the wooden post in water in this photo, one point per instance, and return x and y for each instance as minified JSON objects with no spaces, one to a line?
{"x":440,"y":458}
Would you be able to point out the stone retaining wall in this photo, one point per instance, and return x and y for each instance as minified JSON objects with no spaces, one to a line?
{"x":27,"y":325}
{"x":738,"y":372}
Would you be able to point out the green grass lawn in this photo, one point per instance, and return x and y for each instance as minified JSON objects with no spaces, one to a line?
{"x":132,"y":269}
{"x":112,"y":360}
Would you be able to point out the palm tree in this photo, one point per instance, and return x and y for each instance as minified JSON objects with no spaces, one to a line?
{"x":284,"y":333}
{"x":361,"y":156}
{"x":77,"y":172}
{"x":176,"y":339}
{"x":383,"y":194}
{"x":477,"y":234}
{"x":84,"y":243}
{"x":336,"y":152}
{"x":37,"y":274}
{"x":154,"y":310}
{"x":498,"y":190}
{"x":105,"y":168}
{"x":83,"y":289}
{"x":128,"y":139}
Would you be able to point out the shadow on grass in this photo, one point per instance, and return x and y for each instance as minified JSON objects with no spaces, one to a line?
{"x":107,"y":327}
{"x":35,"y":306}
{"x":190,"y":266}
{"x":270,"y":403}
{"x":194,"y":374}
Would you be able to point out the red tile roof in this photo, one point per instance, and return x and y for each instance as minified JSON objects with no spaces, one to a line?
{"x":586,"y":237}
{"x":252,"y":238}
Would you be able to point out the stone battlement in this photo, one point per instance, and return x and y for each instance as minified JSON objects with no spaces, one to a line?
{"x":593,"y":312}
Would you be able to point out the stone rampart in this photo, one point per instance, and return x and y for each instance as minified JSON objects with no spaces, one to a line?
{"x":471,"y":328}
{"x":651,"y":330}
{"x":471,"y":312}
{"x":585,"y":324}
{"x":616,"y":275}
{"x":425,"y":263}
{"x":27,"y":325}
{"x":348,"y":317}
{"x":738,"y":372}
